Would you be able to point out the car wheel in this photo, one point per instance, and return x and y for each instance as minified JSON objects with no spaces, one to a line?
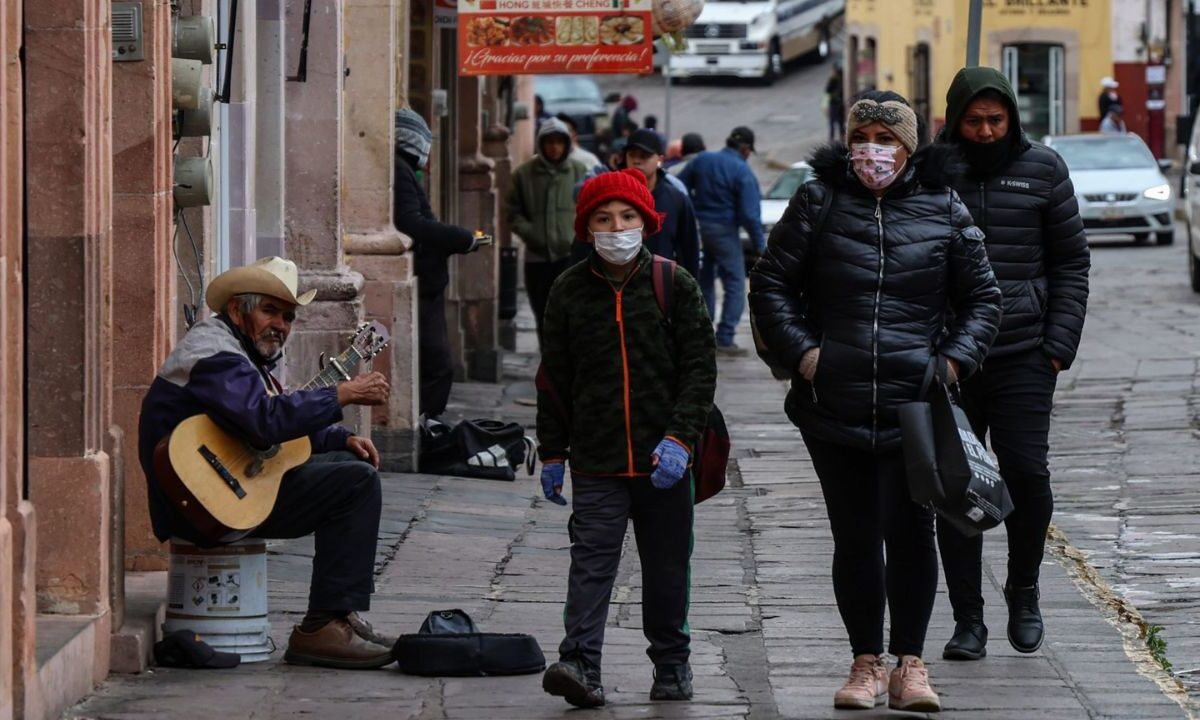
{"x":1165,"y":238}
{"x":774,"y":69}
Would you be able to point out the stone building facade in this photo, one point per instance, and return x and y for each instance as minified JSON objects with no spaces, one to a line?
{"x":97,"y":262}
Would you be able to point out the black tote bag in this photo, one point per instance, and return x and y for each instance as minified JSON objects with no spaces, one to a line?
{"x":948,"y":467}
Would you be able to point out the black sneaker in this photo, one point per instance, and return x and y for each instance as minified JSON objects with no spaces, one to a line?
{"x":969,"y":641}
{"x":1025,"y":628}
{"x":672,"y":682}
{"x":575,"y":682}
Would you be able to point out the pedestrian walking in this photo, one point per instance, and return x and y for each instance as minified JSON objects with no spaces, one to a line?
{"x":541,"y":211}
{"x":875,"y":283}
{"x":433,"y":244}
{"x":1114,"y":121}
{"x":690,"y":145}
{"x":1108,"y":96}
{"x":622,"y":124}
{"x":834,"y":102}
{"x":679,"y":237}
{"x":578,"y":152}
{"x":1021,"y":196}
{"x":726,"y":197}
{"x":623,"y":395}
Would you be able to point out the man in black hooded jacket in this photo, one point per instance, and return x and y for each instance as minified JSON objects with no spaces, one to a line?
{"x":1020,"y":194}
{"x":433,"y":244}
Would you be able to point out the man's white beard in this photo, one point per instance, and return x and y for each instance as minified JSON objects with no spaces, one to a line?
{"x":269,"y":349}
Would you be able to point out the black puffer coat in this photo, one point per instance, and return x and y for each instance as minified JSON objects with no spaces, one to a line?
{"x":1035,"y":238}
{"x":879,"y":311}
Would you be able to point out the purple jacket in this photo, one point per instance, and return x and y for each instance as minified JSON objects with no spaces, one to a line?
{"x":211,"y":372}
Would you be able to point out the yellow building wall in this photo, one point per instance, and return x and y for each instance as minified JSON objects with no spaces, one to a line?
{"x":1082,"y":27}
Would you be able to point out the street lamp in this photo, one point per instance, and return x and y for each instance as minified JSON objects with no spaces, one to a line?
{"x":974,"y":20}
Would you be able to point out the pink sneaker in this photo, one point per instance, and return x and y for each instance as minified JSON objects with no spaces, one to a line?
{"x":866,"y":687}
{"x":908,"y":688}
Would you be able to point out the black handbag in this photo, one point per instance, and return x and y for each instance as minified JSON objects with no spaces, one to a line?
{"x":450,"y":645}
{"x":947,"y":465}
{"x":489,"y":449}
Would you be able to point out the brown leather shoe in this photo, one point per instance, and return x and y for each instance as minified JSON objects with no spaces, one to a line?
{"x":335,"y":646}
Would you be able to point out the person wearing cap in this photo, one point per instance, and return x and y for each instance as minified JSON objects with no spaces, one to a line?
{"x":1021,"y":196}
{"x":433,"y":244}
{"x":679,"y":237}
{"x":540,"y":206}
{"x":726,"y":196}
{"x":624,"y":392}
{"x":1108,"y":96}
{"x":222,"y":368}
{"x":868,"y":308}
{"x":690,"y":145}
{"x":1114,"y":122}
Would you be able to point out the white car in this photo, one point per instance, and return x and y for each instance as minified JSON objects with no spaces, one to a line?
{"x":775,"y":198}
{"x":1120,"y":186}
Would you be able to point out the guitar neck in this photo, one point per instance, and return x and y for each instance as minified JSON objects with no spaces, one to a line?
{"x":336,"y":370}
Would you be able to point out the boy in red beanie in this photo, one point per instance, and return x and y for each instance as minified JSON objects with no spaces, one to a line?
{"x":624,"y":392}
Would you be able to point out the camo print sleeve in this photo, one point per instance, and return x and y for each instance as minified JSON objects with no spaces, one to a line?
{"x":554,"y":380}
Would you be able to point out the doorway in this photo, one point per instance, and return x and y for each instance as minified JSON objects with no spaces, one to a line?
{"x":1035,"y":71}
{"x":918,"y":81}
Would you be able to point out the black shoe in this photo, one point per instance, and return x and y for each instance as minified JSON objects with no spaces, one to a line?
{"x":969,"y":641}
{"x":575,"y":682}
{"x":1025,"y":629}
{"x":672,"y":682}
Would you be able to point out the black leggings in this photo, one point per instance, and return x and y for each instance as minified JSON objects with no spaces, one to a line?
{"x":866,"y":497}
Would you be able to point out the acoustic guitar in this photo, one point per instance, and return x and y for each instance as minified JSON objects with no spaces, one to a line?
{"x":225,"y":487}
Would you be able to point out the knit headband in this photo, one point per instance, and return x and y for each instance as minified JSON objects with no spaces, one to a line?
{"x":897,"y":116}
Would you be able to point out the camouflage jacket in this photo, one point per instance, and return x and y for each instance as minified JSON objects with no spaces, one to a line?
{"x":616,"y":375}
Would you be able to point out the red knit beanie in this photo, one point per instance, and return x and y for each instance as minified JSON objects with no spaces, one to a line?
{"x":625,"y":185}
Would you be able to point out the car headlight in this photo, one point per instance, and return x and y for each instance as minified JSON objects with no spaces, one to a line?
{"x":1159,"y":192}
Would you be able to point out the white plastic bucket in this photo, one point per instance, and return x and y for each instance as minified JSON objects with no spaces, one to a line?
{"x":221,"y":594}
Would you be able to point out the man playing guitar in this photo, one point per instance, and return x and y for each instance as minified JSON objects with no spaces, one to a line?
{"x":222,"y":368}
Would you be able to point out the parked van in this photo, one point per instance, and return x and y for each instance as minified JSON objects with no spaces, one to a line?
{"x":753,"y":39}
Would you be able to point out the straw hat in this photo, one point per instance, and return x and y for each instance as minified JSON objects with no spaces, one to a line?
{"x":272,"y":276}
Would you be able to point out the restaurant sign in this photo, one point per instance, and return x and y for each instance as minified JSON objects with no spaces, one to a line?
{"x":531,"y":37}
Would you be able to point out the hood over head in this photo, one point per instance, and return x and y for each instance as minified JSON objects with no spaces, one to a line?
{"x":553,"y":126}
{"x":968,"y":83}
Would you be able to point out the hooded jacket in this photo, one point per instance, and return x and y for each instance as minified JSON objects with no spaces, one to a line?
{"x":541,"y":202}
{"x":1035,"y":238}
{"x":886,"y":290}
{"x":433,"y":242}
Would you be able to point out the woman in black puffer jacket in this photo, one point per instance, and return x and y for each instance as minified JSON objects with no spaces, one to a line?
{"x":893,"y":283}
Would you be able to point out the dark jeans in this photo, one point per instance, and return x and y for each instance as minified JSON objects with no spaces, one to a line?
{"x":437,"y":371}
{"x":337,"y":497}
{"x":1010,"y":400}
{"x":723,"y":258}
{"x":837,"y":121}
{"x":866,"y":497}
{"x":539,"y":276}
{"x":662,"y":523}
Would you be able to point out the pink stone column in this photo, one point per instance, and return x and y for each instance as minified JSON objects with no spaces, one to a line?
{"x":143,"y":270}
{"x":68,"y":116}
{"x":373,"y":245}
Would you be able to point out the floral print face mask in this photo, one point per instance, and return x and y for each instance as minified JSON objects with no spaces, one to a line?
{"x":875,"y":165}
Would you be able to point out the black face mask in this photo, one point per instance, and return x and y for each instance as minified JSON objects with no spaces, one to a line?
{"x":987,"y":159}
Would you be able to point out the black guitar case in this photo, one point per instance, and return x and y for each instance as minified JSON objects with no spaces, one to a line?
{"x":449,"y":645}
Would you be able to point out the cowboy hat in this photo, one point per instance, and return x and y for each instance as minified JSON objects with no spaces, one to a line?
{"x":272,"y":276}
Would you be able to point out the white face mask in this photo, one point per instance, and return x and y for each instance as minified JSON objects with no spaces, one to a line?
{"x":619,"y":247}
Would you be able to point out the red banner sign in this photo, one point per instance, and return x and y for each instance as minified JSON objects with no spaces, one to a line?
{"x":532,"y":37}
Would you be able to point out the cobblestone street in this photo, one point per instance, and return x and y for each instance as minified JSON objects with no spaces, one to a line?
{"x":767,"y":639}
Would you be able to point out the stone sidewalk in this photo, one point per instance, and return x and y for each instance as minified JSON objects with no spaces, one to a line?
{"x":767,"y":639}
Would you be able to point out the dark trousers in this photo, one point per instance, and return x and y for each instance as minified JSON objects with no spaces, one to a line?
{"x":866,"y":497}
{"x":539,"y":276}
{"x":433,"y":349}
{"x":837,"y":124}
{"x":662,"y":525}
{"x":1008,"y":401}
{"x":336,"y":497}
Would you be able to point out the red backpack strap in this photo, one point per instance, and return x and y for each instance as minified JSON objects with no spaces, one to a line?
{"x":662,"y":275}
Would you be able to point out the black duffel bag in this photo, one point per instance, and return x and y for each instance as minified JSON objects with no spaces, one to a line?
{"x":489,"y":449}
{"x":947,"y":465}
{"x":449,"y":645}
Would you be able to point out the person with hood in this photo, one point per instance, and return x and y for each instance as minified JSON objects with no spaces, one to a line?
{"x":433,"y":244}
{"x":625,"y":388}
{"x":727,"y":197}
{"x":541,"y":211}
{"x":874,"y":288}
{"x":1021,"y":196}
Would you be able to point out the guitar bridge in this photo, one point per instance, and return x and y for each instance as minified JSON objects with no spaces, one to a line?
{"x":230,"y":481}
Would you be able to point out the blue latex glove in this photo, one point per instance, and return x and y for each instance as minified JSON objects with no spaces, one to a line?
{"x":671,"y":461}
{"x":552,"y":482}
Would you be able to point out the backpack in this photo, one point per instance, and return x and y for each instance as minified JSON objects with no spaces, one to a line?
{"x":711,"y":458}
{"x":764,"y":353}
{"x":489,"y":449}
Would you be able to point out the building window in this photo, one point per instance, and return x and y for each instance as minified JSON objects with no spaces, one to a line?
{"x":1035,"y":71}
